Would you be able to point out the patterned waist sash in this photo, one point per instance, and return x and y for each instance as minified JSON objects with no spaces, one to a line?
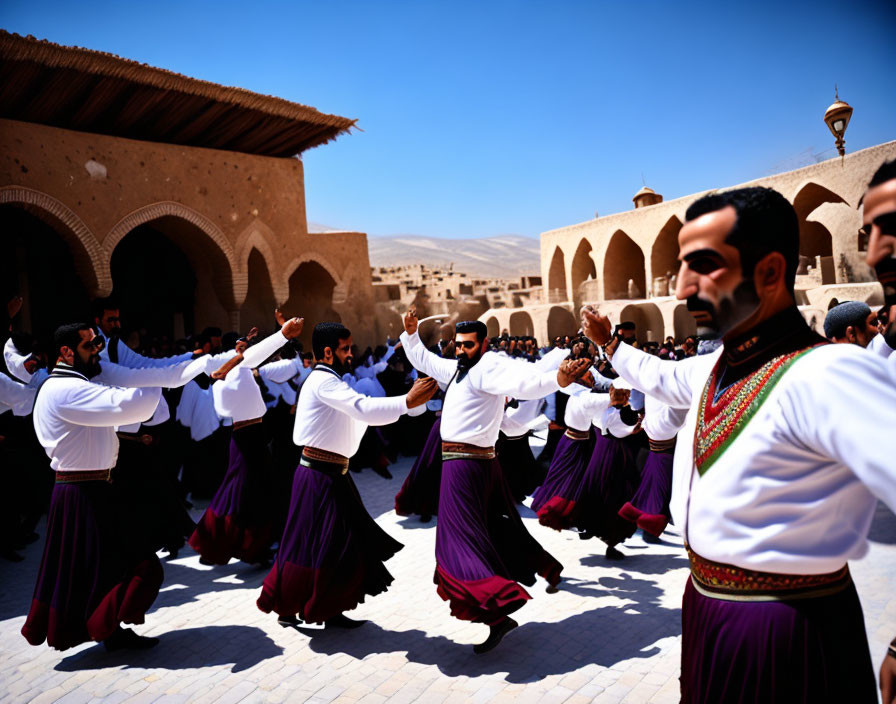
{"x":465,"y":451}
{"x":84,"y":475}
{"x":323,"y":461}
{"x":720,"y":581}
{"x":665,"y":446}
{"x":573,"y":434}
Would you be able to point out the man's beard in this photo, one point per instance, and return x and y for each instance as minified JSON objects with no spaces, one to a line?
{"x":342,"y":367}
{"x":90,"y":368}
{"x":886,"y":274}
{"x":732,"y":310}
{"x":465,"y":363}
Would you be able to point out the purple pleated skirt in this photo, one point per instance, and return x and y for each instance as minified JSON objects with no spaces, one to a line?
{"x":556,"y":500}
{"x":609,"y":481}
{"x":808,"y":651}
{"x":522,"y":472}
{"x":331,"y":554}
{"x":92,"y":576}
{"x":649,"y":507}
{"x":238,"y":522}
{"x":483,"y":550}
{"x":420,"y":492}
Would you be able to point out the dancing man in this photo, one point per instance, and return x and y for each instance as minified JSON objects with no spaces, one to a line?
{"x":482,"y":547}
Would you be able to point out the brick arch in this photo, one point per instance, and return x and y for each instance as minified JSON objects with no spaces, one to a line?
{"x":90,"y":261}
{"x":815,"y":239}
{"x":259,"y":236}
{"x":623,"y":260}
{"x":664,"y":251}
{"x":236,"y":276}
{"x":312,"y":257}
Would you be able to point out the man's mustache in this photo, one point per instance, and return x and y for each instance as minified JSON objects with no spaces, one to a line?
{"x":696,"y":304}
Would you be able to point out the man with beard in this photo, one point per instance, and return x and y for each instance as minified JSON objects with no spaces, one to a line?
{"x":482,"y":547}
{"x":108,"y":322}
{"x":879,"y":224}
{"x":332,"y":552}
{"x":778,"y":487}
{"x":91,"y":577}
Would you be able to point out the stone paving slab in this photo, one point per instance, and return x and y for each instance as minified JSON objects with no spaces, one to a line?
{"x":612,"y":634}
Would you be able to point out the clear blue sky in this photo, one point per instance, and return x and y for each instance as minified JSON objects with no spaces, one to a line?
{"x":484,"y":118}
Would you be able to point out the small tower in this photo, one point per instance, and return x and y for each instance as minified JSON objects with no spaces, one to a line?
{"x":646,"y":196}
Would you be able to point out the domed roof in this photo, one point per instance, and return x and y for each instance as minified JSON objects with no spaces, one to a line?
{"x":645,"y":191}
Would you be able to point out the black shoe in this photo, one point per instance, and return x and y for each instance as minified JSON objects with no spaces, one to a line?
{"x":125,"y":638}
{"x":290,"y":621}
{"x":425,"y":518}
{"x":613,"y":554}
{"x":343,"y":621}
{"x":585,"y":535}
{"x":382,"y":471}
{"x":496,"y":635}
{"x":207,"y":563}
{"x":11,"y":555}
{"x":553,"y":588}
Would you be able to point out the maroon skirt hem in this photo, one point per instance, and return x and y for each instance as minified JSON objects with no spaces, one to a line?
{"x":220,"y":538}
{"x":485,"y":600}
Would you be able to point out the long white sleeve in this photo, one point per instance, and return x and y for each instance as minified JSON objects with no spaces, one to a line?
{"x":169,"y":377}
{"x":281,"y":370}
{"x":15,"y":396}
{"x":129,"y":358}
{"x":98,"y":406}
{"x":373,"y":411}
{"x":673,"y":383}
{"x":439,"y":368}
{"x":255,"y":355}
{"x":508,"y":377}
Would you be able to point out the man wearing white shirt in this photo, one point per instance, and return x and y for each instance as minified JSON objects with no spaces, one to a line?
{"x":483,"y":550}
{"x":776,"y":491}
{"x":91,"y":578}
{"x":331,"y":553}
{"x":108,"y":321}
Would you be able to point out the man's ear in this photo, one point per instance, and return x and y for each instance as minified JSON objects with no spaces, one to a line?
{"x":67,"y":354}
{"x":769,"y":271}
{"x":850,"y":334}
{"x":328,"y":355}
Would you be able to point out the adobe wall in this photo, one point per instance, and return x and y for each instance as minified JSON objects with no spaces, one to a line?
{"x":217,"y":205}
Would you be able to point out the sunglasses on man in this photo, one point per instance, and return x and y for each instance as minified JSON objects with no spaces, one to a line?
{"x":467,"y":344}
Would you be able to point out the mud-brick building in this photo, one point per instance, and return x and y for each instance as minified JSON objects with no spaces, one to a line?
{"x":183,"y":198}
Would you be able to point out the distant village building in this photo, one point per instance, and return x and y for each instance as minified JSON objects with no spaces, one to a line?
{"x":182,"y":197}
{"x":627,"y":262}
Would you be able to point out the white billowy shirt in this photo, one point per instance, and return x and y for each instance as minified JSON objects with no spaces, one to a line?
{"x":795,"y":491}
{"x":15,"y":397}
{"x":661,"y":422}
{"x":585,"y":408}
{"x":75,"y":419}
{"x":332,"y":416}
{"x":371,"y":386}
{"x":879,"y":346}
{"x":473,"y":408}
{"x":128,"y":358}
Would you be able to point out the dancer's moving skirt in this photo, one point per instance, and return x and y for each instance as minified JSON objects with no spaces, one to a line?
{"x":649,"y":507}
{"x":332,"y":552}
{"x":804,"y":650}
{"x":483,"y":550}
{"x":238,"y":522}
{"x":556,"y":501}
{"x":610,"y":480}
{"x":420,"y":492}
{"x":92,"y":576}
{"x":521,"y":470}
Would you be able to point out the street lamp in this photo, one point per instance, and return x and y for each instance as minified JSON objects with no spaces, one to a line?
{"x":836,"y":118}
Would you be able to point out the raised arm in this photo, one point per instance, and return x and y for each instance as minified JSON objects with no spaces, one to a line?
{"x":282,"y":370}
{"x":373,"y":411}
{"x":439,"y":368}
{"x":169,"y":377}
{"x":101,"y":406}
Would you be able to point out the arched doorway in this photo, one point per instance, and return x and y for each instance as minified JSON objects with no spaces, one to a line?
{"x":40,"y":264}
{"x":664,"y":257}
{"x":623,"y":261}
{"x":561,"y":322}
{"x":311,"y":297}
{"x":583,"y":269}
{"x":683,"y":323}
{"x":258,"y":308}
{"x":816,"y":243}
{"x":171,"y":279}
{"x":557,"y":278}
{"x":648,"y":321}
{"x":521,"y":324}
{"x":494,"y":327}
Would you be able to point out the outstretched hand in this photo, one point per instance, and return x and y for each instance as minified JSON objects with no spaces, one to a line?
{"x":292,"y":328}
{"x":597,"y":327}
{"x":410,"y":320}
{"x":422,"y":391}
{"x":221,"y":372}
{"x":572,"y":369}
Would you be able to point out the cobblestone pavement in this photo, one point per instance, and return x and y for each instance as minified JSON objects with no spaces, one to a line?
{"x":612,"y":634}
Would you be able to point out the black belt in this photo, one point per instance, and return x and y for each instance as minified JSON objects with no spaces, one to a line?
{"x":331,"y":469}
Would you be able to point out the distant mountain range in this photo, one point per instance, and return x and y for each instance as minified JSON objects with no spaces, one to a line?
{"x":503,"y":256}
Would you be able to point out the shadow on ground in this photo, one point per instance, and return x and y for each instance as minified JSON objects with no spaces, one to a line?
{"x":602,"y":636}
{"x":186,"y":648}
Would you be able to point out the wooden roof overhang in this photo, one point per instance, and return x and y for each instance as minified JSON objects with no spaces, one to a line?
{"x":92,"y":91}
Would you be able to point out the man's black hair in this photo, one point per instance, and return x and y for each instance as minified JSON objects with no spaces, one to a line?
{"x":68,"y":336}
{"x":228,"y":340}
{"x":477,"y":326}
{"x":327,"y":335}
{"x":626,"y":325}
{"x":766,"y":222}
{"x":101,"y":305}
{"x":886,"y":172}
